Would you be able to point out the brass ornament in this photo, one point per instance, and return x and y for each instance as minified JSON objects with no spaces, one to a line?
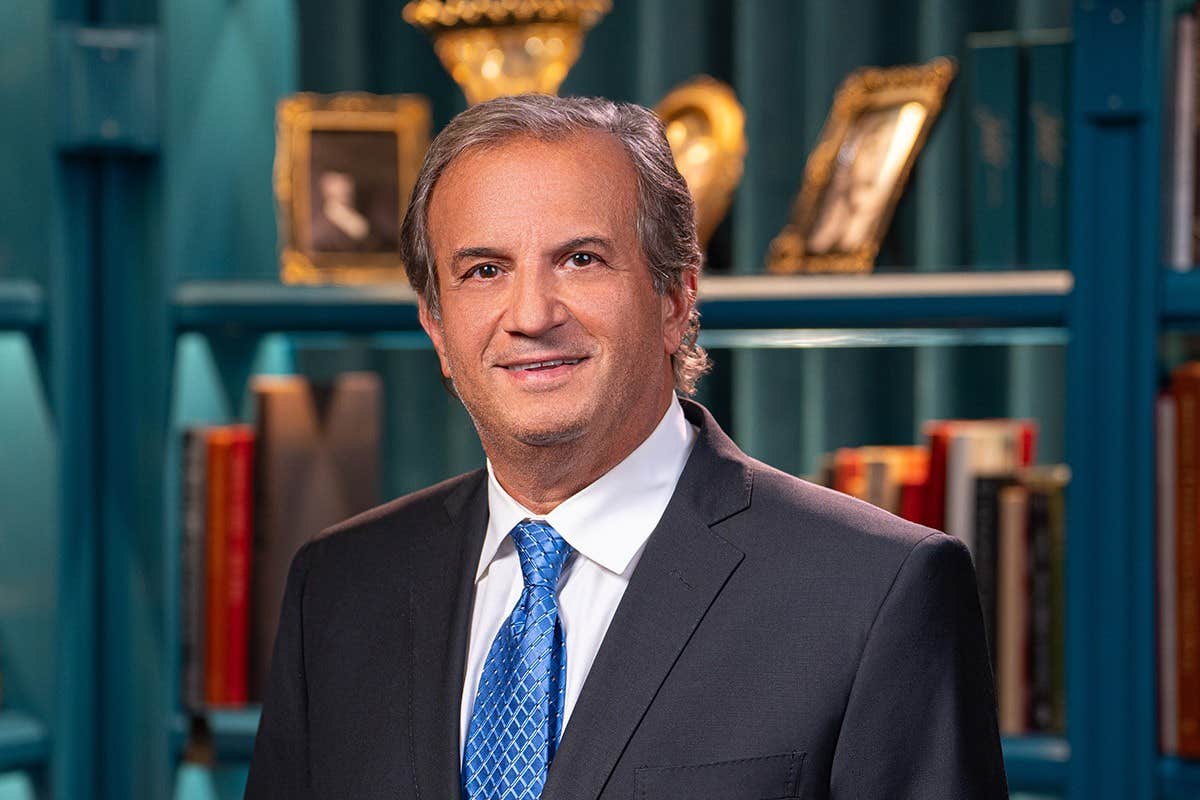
{"x":494,"y":48}
{"x":706,"y":128}
{"x":856,"y":174}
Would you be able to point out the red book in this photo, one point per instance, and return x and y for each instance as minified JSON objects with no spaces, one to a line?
{"x":1185,"y":385}
{"x":938,"y":434}
{"x":216,"y":616}
{"x":239,"y":554}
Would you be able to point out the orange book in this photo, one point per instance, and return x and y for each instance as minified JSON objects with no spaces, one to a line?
{"x":1185,"y":386}
{"x":238,"y":554}
{"x":216,"y":617}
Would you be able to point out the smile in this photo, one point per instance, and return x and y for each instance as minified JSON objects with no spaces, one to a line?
{"x":536,"y":365}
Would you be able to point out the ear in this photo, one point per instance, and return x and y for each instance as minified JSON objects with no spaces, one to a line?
{"x":677,"y":306}
{"x":433,"y":328}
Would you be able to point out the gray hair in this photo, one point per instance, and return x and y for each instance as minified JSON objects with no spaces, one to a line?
{"x":666,"y":219}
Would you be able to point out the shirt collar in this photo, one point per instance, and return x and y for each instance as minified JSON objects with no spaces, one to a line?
{"x":609,"y":520}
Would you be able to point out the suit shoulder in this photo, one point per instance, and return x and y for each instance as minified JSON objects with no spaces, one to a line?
{"x":403,"y":512}
{"x":817,"y":516}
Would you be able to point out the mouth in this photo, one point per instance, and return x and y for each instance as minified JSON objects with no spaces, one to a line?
{"x":541,"y":366}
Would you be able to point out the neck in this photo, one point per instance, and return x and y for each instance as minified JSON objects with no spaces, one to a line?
{"x":542,"y":477}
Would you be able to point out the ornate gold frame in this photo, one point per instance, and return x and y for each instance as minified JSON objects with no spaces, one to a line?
{"x":717,"y":143}
{"x":862,"y":91}
{"x":296,"y":117}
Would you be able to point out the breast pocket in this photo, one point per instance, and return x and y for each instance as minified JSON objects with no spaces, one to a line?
{"x":764,"y":778}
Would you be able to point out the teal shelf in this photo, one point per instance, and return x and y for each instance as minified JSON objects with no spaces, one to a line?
{"x":232,"y":732}
{"x":1037,"y":763}
{"x":24,"y":741}
{"x":22,"y":305}
{"x":233,"y":306}
{"x":891,"y":300}
{"x":1180,"y":301}
{"x":1179,"y":779}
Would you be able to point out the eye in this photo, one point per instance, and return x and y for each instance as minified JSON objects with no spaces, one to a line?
{"x":581,"y":259}
{"x":485,"y":271}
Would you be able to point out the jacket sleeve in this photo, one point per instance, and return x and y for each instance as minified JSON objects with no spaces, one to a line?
{"x":279,"y":767}
{"x":921,"y":718}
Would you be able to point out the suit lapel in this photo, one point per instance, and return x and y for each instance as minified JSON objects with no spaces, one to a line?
{"x":441,"y":593}
{"x":681,"y":572}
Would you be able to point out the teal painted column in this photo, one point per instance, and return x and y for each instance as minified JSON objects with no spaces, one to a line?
{"x":1113,"y":228}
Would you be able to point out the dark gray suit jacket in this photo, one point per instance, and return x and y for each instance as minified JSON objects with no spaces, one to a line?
{"x":777,"y":640}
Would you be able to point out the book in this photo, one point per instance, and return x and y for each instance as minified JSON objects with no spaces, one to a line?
{"x":1047,"y":555}
{"x":238,"y":570}
{"x":1047,"y":93}
{"x":318,"y":463}
{"x":219,"y":443}
{"x":1180,"y":183}
{"x":993,"y":73}
{"x":1168,"y":677}
{"x":193,"y":561}
{"x":987,"y":553}
{"x":1185,"y":386}
{"x":229,"y":532}
{"x":1012,"y":685}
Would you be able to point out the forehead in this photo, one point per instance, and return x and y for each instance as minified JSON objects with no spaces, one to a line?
{"x":532,"y":185}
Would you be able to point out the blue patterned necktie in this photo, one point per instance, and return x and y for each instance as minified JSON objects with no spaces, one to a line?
{"x":518,"y":713}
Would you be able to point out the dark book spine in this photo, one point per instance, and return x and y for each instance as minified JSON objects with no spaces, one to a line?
{"x":195,"y":468}
{"x":1058,"y":567}
{"x":1041,"y":639}
{"x":1045,"y":183}
{"x":987,"y":522}
{"x":993,"y":78}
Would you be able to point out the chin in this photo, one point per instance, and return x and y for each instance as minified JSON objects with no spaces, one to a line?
{"x":550,"y":435}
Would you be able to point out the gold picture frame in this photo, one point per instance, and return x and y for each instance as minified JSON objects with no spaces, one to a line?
{"x":345,"y":165}
{"x":877,"y":126}
{"x":706,"y":127}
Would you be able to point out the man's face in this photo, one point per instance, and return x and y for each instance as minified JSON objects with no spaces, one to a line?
{"x":551,"y":329}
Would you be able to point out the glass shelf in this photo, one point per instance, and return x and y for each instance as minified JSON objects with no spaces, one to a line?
{"x":22,"y":305}
{"x":24,"y":741}
{"x":1037,"y":763}
{"x":891,"y":300}
{"x":807,"y":338}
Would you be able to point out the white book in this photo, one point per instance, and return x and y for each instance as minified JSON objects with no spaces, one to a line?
{"x":1168,"y":663}
{"x":1181,"y":180}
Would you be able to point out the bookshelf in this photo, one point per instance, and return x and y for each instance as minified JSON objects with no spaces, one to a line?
{"x":112,"y":311}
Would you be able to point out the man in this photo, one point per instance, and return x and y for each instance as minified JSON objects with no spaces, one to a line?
{"x":622,"y":604}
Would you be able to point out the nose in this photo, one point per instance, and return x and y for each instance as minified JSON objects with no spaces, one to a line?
{"x":535,"y":306}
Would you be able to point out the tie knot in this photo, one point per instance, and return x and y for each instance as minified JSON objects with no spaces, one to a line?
{"x":542,"y":551}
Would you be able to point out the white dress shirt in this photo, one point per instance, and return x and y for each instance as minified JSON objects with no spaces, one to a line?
{"x":607,"y":523}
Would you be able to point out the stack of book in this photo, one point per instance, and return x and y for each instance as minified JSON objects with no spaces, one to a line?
{"x":252,"y":496}
{"x":1178,"y":455}
{"x":1019,"y":85}
{"x":974,"y":480}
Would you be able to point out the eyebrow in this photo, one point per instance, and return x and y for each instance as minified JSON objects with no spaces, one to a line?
{"x":466,"y":253}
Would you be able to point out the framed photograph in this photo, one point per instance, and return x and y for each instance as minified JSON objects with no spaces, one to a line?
{"x":345,"y":165}
{"x":855,"y":176}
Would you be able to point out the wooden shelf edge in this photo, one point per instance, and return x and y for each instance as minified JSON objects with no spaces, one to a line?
{"x":24,"y":741}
